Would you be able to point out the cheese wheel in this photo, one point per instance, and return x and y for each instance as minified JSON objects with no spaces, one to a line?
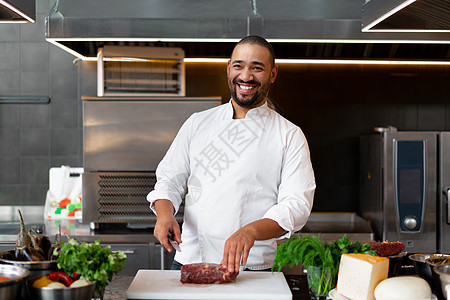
{"x":359,"y":274}
{"x":403,"y":287}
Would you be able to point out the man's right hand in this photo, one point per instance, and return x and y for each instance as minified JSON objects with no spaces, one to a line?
{"x":165,"y":223}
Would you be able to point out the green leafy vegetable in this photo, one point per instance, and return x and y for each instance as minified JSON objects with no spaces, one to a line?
{"x":91,"y":260}
{"x":313,"y":251}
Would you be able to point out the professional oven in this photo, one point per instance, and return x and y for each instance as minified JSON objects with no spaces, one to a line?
{"x":405,"y":184}
{"x":124,"y":139}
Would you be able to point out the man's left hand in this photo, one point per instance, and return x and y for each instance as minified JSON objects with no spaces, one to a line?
{"x":237,"y":246}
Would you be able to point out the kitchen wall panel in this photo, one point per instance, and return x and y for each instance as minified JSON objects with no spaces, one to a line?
{"x":9,"y":56}
{"x":34,"y":142}
{"x":64,"y":142}
{"x":34,"y":57}
{"x":9,"y":33}
{"x":431,"y":116}
{"x":35,"y":137}
{"x":11,"y":164}
{"x":9,"y":82}
{"x":34,"y":171}
{"x":34,"y":116}
{"x":10,"y":141}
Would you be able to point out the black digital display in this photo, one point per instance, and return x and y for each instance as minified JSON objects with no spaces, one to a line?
{"x":410,"y":180}
{"x":410,"y":187}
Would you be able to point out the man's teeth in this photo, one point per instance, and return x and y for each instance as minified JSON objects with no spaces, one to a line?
{"x":246,"y":87}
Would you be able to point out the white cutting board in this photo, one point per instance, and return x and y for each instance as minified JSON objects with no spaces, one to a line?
{"x":165,"y":284}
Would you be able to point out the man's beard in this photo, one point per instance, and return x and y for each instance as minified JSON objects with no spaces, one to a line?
{"x":257,"y":98}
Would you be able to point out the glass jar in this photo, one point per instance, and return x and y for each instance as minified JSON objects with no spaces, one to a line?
{"x":320,"y":281}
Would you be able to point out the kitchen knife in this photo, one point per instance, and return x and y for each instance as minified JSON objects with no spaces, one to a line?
{"x":174,"y":243}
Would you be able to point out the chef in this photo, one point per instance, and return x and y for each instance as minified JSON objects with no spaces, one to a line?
{"x":243,"y":170}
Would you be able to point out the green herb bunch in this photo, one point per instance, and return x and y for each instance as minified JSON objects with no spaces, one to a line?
{"x":313,"y":251}
{"x":92,"y":261}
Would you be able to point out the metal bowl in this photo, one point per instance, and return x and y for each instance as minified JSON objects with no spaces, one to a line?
{"x":37,"y":268}
{"x":439,"y":256}
{"x":76,"y":293}
{"x":420,"y":265}
{"x":425,"y":270}
{"x":11,"y":288}
{"x":443,"y":272}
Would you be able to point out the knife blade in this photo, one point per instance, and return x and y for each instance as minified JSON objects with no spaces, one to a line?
{"x":174,"y":243}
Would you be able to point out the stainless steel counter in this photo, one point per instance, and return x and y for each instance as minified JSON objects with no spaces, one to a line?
{"x":330,"y":226}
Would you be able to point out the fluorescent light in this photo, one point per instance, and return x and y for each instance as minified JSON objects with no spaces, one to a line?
{"x":408,"y":30}
{"x":319,"y":61}
{"x":20,"y":21}
{"x":359,"y":41}
{"x":65,"y":48}
{"x":386,"y":15}
{"x":360,"y":62}
{"x":331,"y":61}
{"x":57,"y":41}
{"x":207,"y":60}
{"x":128,"y":39}
{"x":281,"y":61}
{"x":17,"y":11}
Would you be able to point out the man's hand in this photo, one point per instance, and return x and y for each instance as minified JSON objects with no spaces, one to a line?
{"x":238,"y":245}
{"x":165,"y":223}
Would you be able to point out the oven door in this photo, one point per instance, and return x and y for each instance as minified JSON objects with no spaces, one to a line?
{"x":410,"y":177}
{"x":444,"y":196}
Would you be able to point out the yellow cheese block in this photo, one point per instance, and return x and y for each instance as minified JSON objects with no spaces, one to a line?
{"x":359,"y":274}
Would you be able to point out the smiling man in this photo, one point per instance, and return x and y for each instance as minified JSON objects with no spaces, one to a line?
{"x":251,"y":70}
{"x":243,"y":171}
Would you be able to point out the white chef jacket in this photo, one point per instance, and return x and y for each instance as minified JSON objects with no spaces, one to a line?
{"x":231,"y":172}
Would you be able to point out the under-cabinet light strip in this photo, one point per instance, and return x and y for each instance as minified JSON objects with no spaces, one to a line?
{"x":17,"y":11}
{"x":288,"y":61}
{"x":386,"y":15}
{"x":56,"y":41}
{"x":318,"y":61}
{"x":409,"y":30}
{"x":332,"y":61}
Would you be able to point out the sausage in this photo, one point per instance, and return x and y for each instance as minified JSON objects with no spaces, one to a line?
{"x":206,"y":273}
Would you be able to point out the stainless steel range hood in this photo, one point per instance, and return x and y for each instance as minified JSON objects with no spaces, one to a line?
{"x":17,"y":11}
{"x":209,"y":28}
{"x":406,"y":16}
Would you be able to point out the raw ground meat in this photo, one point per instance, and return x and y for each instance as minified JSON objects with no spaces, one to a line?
{"x":386,"y":249}
{"x":206,"y":273}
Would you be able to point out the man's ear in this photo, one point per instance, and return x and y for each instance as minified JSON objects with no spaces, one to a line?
{"x":273,"y":74}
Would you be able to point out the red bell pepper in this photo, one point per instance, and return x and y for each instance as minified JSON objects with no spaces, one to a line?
{"x":61,"y":277}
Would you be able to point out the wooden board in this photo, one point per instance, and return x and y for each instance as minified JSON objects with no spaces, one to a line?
{"x":165,"y":284}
